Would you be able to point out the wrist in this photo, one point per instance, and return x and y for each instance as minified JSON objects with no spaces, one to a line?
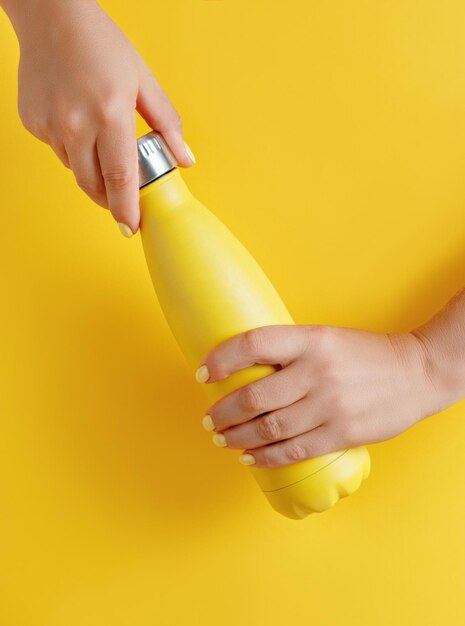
{"x":414,"y":374}
{"x":443,"y":362}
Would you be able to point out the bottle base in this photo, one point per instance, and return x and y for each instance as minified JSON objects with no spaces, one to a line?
{"x":323,"y":489}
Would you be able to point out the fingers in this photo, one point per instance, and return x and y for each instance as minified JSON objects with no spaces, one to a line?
{"x":83,"y":160}
{"x":157,"y":110}
{"x":117,"y":154}
{"x":277,"y":390}
{"x":290,"y":421}
{"x":320,"y":440}
{"x":273,"y":344}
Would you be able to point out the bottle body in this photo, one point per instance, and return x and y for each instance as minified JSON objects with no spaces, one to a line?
{"x":210,"y":288}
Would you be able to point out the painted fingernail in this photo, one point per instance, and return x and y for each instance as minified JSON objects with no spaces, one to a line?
{"x":125,"y":230}
{"x":190,"y":153}
{"x":202,"y":374}
{"x":219,"y":440}
{"x":247,"y":459}
{"x":208,"y":423}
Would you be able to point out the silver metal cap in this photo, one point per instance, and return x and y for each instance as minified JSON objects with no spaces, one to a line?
{"x":155,"y":158}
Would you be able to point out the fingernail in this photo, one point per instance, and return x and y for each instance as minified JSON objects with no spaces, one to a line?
{"x":202,"y":374}
{"x":208,"y":423}
{"x":125,"y":230}
{"x":219,"y":440}
{"x":190,"y":153}
{"x":247,"y":459}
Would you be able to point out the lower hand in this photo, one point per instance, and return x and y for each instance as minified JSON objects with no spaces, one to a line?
{"x":335,"y":388}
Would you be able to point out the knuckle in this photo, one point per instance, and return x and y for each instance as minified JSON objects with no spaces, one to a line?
{"x":252,"y":342}
{"x":250,"y":399}
{"x":315,"y":330}
{"x":295,"y":452}
{"x":269,"y":427}
{"x":70,"y":124}
{"x":117,"y":178}
{"x":321,"y":337}
{"x":110,"y":111}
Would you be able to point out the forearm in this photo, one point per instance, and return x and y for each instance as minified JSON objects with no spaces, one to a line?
{"x":443,"y":340}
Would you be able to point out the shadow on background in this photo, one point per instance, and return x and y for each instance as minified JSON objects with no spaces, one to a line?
{"x":125,"y":412}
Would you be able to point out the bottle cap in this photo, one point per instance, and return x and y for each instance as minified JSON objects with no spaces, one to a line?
{"x":155,"y":158}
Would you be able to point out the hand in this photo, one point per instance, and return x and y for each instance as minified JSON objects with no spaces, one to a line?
{"x":335,"y":388}
{"x":80,"y":81}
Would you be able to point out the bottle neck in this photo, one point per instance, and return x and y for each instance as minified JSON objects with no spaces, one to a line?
{"x":170,"y":189}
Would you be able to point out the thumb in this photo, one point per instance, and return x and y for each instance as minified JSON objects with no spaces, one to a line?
{"x":156,"y":109}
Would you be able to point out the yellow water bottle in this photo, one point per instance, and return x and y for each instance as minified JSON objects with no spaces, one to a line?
{"x":210,"y":288}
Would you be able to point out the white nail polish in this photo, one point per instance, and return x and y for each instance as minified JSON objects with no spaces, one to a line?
{"x":202,"y":374}
{"x":247,"y":459}
{"x":219,"y":440}
{"x":208,"y":423}
{"x":125,"y":230}
{"x":190,"y":153}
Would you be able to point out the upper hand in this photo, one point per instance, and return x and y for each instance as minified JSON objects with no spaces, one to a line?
{"x":335,"y":388}
{"x":80,"y":81}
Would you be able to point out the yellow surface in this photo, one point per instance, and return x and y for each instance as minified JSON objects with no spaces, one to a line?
{"x":348,"y":121}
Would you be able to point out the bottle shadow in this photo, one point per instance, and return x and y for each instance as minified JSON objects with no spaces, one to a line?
{"x":126,"y":429}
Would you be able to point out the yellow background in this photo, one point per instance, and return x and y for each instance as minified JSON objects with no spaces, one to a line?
{"x":330,"y":138}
